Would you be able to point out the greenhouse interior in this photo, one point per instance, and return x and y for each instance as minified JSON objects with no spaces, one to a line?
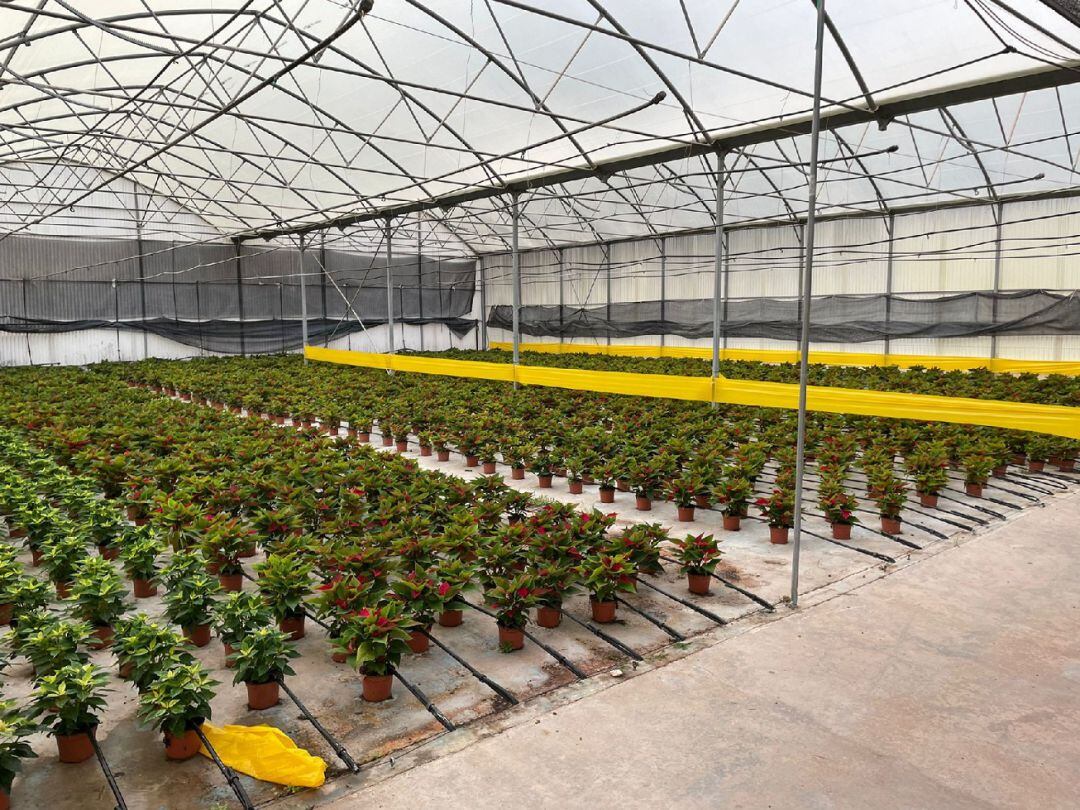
{"x":560,"y":404}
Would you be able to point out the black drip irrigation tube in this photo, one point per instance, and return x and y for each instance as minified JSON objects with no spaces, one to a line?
{"x":893,"y":537}
{"x":558,"y":656}
{"x":675,"y":634}
{"x":229,"y":773}
{"x":835,"y":542}
{"x":418,"y":693}
{"x":966,"y":527}
{"x":979,"y":508}
{"x":769,"y":606}
{"x":480,"y":676}
{"x":600,"y":634}
{"x":339,"y":749}
{"x":105,"y":769}
{"x":686,"y":602}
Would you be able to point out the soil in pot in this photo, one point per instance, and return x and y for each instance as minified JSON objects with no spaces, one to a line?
{"x":199,"y":635}
{"x":602,"y":612}
{"x":698,"y":583}
{"x":607,"y":495}
{"x":294,"y":626}
{"x":841,"y":531}
{"x":928,"y":500}
{"x":231,"y":582}
{"x":686,"y":513}
{"x":262,"y":695}
{"x":642,"y":504}
{"x":144,"y":588}
{"x":74,"y":748}
{"x":450,"y":618}
{"x":377,"y":688}
{"x":547,"y":616}
{"x":183,"y":746}
{"x":511,"y":638}
{"x":576,"y":487}
{"x":778,"y":535}
{"x":418,"y":642}
{"x":890,"y":525}
{"x":545,"y":481}
{"x":732,"y":523}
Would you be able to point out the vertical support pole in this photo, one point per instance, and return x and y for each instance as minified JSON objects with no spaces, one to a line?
{"x":142,"y":270}
{"x":401,"y":309}
{"x":607,"y":271}
{"x":26,"y":320}
{"x":515,"y":275}
{"x":389,"y":288}
{"x":116,"y":317}
{"x":727,"y":288}
{"x":303,"y":302}
{"x":198,"y":318}
{"x":483,"y":304}
{"x":322,"y":289}
{"x":663,"y":291}
{"x":889,"y":285}
{"x":420,"y":275}
{"x":281,"y":314}
{"x":999,"y":213}
{"x":808,"y":276}
{"x":562,"y":297}
{"x":240,"y":298}
{"x":718,"y":268}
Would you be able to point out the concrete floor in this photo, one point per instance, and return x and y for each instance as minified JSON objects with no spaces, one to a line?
{"x":951,"y":682}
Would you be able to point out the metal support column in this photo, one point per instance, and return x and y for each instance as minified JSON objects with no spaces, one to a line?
{"x":727,"y":288}
{"x":420,"y":275}
{"x":562,"y":297}
{"x":808,"y":275}
{"x":322,"y":289}
{"x":515,"y":275}
{"x":607,"y":271}
{"x":389,"y":289}
{"x":999,"y":213}
{"x":889,"y":284}
{"x":303,"y":302}
{"x":116,"y":317}
{"x":483,"y":304}
{"x":240,"y":298}
{"x":718,"y":267}
{"x":663,"y":291}
{"x":142,"y":271}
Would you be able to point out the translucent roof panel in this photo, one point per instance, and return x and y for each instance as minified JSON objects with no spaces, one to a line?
{"x":266,"y":116}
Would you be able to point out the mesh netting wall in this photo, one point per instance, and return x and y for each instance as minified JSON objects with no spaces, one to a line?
{"x":219,"y":298}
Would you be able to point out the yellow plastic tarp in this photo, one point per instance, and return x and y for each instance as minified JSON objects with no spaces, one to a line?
{"x":944,"y":362}
{"x":265,"y":753}
{"x":1053,"y":419}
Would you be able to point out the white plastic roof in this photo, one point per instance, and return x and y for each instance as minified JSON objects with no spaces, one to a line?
{"x":263,"y":115}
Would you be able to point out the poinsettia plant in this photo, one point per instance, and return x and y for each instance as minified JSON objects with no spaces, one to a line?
{"x":375,"y":638}
{"x":697,"y":553}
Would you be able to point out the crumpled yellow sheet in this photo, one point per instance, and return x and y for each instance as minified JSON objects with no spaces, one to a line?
{"x":265,"y":753}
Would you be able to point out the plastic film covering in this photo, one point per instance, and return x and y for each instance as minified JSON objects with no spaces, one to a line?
{"x":1052,"y":419}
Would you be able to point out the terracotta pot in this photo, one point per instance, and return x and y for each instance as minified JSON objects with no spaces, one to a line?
{"x":74,"y":748}
{"x":685,"y":513}
{"x":511,"y":638}
{"x":1067,"y":464}
{"x":1001,"y":472}
{"x":230,"y":658}
{"x":17,"y":532}
{"x":702,"y":501}
{"x":126,"y":669}
{"x":387,"y":441}
{"x":603,"y":612}
{"x":279,"y":420}
{"x":548,"y":616}
{"x":401,"y":447}
{"x":144,"y":588}
{"x":974,"y":490}
{"x":294,"y":626}
{"x":778,"y":535}
{"x":928,"y":500}
{"x":418,"y":642}
{"x":489,"y":468}
{"x":471,"y":461}
{"x":841,"y":531}
{"x":363,"y":436}
{"x":732,"y":523}
{"x":35,"y":557}
{"x":576,"y":487}
{"x":607,"y":495}
{"x":642,"y":503}
{"x":545,"y":481}
{"x":890,"y":525}
{"x":425,"y":450}
{"x":450,"y":618}
{"x":1036,"y":466}
{"x":231,"y":582}
{"x":442,"y":455}
{"x":133,"y":512}
{"x":517,"y":473}
{"x":63,"y":590}
{"x":262,"y":695}
{"x":377,"y":688}
{"x":339,"y":657}
{"x":1019,"y":458}
{"x":698,"y":583}
{"x":199,"y":635}
{"x":103,"y":637}
{"x":184,"y":746}
{"x":622,"y":486}
{"x":5,"y":614}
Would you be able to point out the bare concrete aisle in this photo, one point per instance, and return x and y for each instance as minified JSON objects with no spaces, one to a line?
{"x":954,"y":682}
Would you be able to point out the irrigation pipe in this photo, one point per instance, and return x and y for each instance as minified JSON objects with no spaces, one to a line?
{"x":562,"y":659}
{"x":339,"y":749}
{"x":748,"y":594}
{"x":614,"y":642}
{"x":418,"y":693}
{"x":105,"y":769}
{"x":480,"y":676}
{"x":686,"y":602}
{"x":229,"y":773}
{"x":675,"y":634}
